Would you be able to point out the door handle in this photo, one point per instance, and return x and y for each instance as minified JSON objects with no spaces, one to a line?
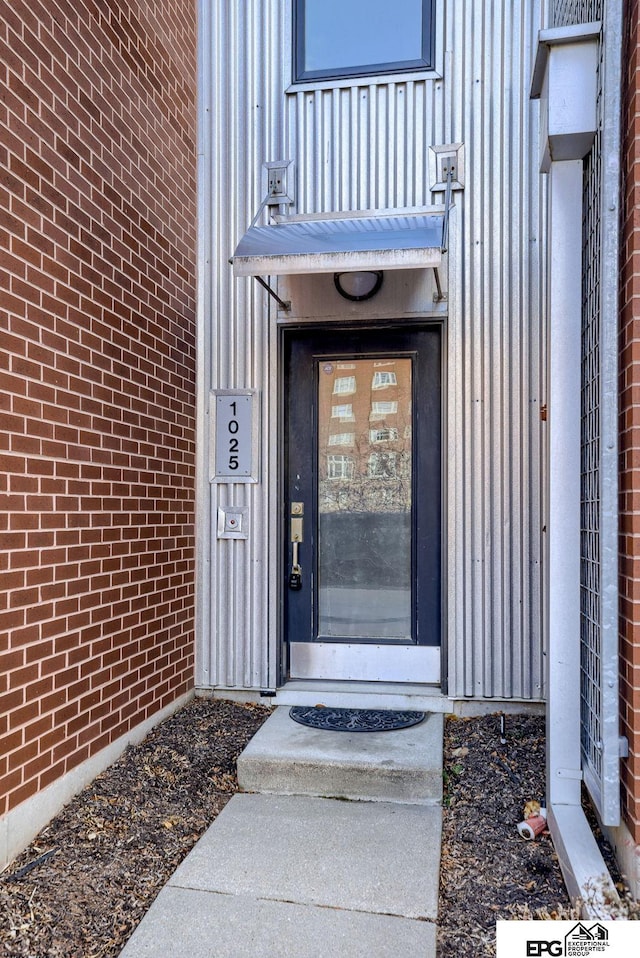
{"x":295,"y":577}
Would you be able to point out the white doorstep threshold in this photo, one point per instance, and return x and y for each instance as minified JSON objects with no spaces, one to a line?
{"x":390,"y":695}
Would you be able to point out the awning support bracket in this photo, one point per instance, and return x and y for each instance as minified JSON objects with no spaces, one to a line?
{"x":259,"y":210}
{"x":447,"y":207}
{"x":438,"y":296}
{"x":283,"y":304}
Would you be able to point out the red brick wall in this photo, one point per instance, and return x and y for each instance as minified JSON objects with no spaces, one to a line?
{"x":630,"y":425}
{"x":97,"y":370}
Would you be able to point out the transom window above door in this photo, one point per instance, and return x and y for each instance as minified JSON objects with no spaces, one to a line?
{"x":342,"y":38}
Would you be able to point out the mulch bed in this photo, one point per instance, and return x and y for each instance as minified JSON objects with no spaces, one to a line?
{"x":120,"y":839}
{"x":116,"y":844}
{"x":488,"y":871}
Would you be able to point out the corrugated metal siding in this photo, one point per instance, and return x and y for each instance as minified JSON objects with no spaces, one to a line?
{"x":241,"y":119}
{"x":364,"y":147}
{"x":495,"y":341}
{"x":368,"y":147}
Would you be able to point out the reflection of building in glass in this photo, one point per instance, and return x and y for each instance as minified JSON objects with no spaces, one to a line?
{"x":344,"y":385}
{"x":381,"y":409}
{"x":343,"y":412}
{"x":381,"y":380}
{"x":340,"y":467}
{"x":387,"y":434}
{"x":375,"y":474}
{"x":383,"y":465}
{"x":342,"y":439}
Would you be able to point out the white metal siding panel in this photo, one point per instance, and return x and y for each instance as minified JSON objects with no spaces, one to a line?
{"x":367,"y":147}
{"x":241,"y":120}
{"x":364,"y":147}
{"x":495,"y":340}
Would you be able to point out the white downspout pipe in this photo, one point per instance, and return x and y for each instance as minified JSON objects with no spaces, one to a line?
{"x":564,"y":304}
{"x":583,"y":867}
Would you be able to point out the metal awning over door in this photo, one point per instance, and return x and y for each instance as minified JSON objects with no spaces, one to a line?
{"x":338,"y":243}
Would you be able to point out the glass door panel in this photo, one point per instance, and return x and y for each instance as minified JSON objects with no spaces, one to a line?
{"x":364,"y":499}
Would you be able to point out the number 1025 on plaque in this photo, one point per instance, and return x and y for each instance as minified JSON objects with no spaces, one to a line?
{"x":235,"y":443}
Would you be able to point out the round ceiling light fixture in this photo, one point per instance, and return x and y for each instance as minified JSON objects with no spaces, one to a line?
{"x":359,"y":284}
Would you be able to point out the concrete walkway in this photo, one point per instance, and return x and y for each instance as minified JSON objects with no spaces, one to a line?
{"x":301,"y":876}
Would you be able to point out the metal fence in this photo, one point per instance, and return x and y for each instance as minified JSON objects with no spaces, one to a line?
{"x":569,"y":12}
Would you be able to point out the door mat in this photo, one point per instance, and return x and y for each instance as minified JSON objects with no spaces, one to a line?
{"x":354,"y":720}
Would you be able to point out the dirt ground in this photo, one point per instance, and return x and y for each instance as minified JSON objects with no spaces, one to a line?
{"x":80,"y":889}
{"x":488,"y":871}
{"x":116,"y":844}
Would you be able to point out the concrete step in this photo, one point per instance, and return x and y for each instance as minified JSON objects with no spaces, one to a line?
{"x":286,"y":758}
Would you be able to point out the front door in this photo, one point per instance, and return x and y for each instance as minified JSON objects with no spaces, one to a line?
{"x":363,"y":504}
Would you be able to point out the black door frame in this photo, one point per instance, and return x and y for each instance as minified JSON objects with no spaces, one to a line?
{"x":335,"y":340}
